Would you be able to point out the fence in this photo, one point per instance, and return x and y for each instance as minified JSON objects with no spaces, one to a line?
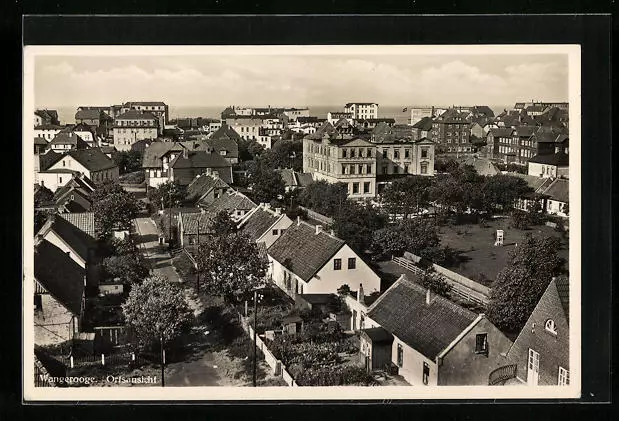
{"x":109,"y":360}
{"x":276,"y":365}
{"x":317,"y":216}
{"x":461,"y":286}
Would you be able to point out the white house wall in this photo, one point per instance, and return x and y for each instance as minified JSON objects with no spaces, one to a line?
{"x":269,"y":238}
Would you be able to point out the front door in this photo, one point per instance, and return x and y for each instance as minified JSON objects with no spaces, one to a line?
{"x":533,"y":368}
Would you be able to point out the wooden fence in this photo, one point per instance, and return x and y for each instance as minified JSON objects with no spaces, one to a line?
{"x":102,"y":360}
{"x":463,"y":287}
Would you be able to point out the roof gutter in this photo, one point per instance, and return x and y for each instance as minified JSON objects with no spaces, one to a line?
{"x":459,"y":337}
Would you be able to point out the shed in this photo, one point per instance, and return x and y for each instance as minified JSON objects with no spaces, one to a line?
{"x":292,"y":324}
{"x":318,"y":302}
{"x":375,"y":348}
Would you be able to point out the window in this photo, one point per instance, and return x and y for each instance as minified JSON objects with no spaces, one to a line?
{"x":564,"y":377}
{"x":481,"y":344}
{"x":405,"y":169}
{"x":426,"y":373}
{"x":424,"y":167}
{"x":407,"y":153}
{"x":352,"y":169}
{"x":60,"y":179}
{"x":64,"y":164}
{"x":355,"y":188}
{"x":275,"y":232}
{"x":352,"y":153}
{"x":352,"y":263}
{"x":337,"y":264}
{"x":396,"y":169}
{"x":400,"y":356}
{"x":424,"y":153}
{"x":396,"y":154}
{"x":368,"y":169}
{"x":343,"y":169}
{"x":368,"y":153}
{"x":360,"y":169}
{"x":550,"y":326}
{"x":366,"y":187}
{"x":384,"y":154}
{"x":384,"y":169}
{"x":343,"y":153}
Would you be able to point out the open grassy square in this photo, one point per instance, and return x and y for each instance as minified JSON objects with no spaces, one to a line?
{"x":481,"y":259}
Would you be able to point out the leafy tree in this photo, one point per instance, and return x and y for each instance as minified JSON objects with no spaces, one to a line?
{"x":128,"y":161}
{"x":156,"y":307}
{"x":231,"y":266}
{"x":103,"y":190}
{"x":412,"y":235}
{"x":323,"y":197}
{"x":171,"y":192}
{"x":265,"y":183}
{"x":116,"y":210}
{"x":343,"y":290}
{"x":388,"y":242}
{"x":501,"y":191}
{"x":405,"y":195}
{"x":285,"y":154}
{"x":445,"y":165}
{"x":521,"y":283}
{"x":448,"y":192}
{"x":130,"y":269}
{"x":436,"y":283}
{"x":42,"y":196}
{"x":124,"y":247}
{"x":249,"y":149}
{"x":222,"y":224}
{"x":355,"y":223}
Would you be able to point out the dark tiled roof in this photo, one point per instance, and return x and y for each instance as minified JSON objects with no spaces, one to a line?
{"x":310,"y":119}
{"x":136,"y":115}
{"x":384,"y":133}
{"x":59,"y":275}
{"x":152,"y":154}
{"x":559,"y":159}
{"x":483,"y":109}
{"x":559,"y":190}
{"x":202,"y":185}
{"x":562,"y":283}
{"x":452,"y":116}
{"x":199,"y":159}
{"x":502,"y":132}
{"x":191,"y":222}
{"x":77,"y":239}
{"x":288,"y":177}
{"x":40,"y":141}
{"x":378,"y":335}
{"x":48,"y":127}
{"x":423,"y":124}
{"x":482,"y":166}
{"x":427,"y":328}
{"x":48,"y":159}
{"x":146,"y":103}
{"x":92,"y":159}
{"x":141,"y":145}
{"x":317,"y":298}
{"x":84,"y":221}
{"x":525,"y":131}
{"x":304,"y":179}
{"x":531,"y":180}
{"x":304,"y":252}
{"x":229,"y":202}
{"x":69,"y":139}
{"x":90,"y":114}
{"x":226,"y":132}
{"x":258,"y":223}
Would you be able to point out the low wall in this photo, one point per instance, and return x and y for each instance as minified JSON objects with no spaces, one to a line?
{"x":317,"y":216}
{"x":275,"y":364}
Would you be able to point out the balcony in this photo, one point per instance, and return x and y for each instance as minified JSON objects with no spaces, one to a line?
{"x":502,"y":374}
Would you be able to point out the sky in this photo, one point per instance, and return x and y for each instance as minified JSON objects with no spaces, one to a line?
{"x":300,"y":80}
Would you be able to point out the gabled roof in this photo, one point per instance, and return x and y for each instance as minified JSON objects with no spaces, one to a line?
{"x":384,"y":133}
{"x":136,"y":115}
{"x":77,"y":239}
{"x":84,"y":221}
{"x":483,"y":109}
{"x":148,"y":103}
{"x":424,"y":124}
{"x":258,"y":223}
{"x":60,"y":275}
{"x":199,"y":159}
{"x":452,"y":116}
{"x":304,"y":252}
{"x":502,"y":132}
{"x":40,"y":141}
{"x":92,"y":159}
{"x":427,"y":328}
{"x":559,"y":190}
{"x":229,"y":202}
{"x":202,"y":184}
{"x":48,"y":159}
{"x":559,"y":159}
{"x":192,"y":221}
{"x":536,"y":183}
{"x":71,"y":138}
{"x":88,"y":114}
{"x":153,"y":154}
{"x":482,"y":166}
{"x":562,"y":283}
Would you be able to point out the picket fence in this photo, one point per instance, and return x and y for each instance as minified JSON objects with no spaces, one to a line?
{"x":462,"y":286}
{"x":279,"y":369}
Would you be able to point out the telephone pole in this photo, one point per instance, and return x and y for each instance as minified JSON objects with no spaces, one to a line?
{"x":255,"y":346}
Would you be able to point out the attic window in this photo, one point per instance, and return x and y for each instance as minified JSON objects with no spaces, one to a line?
{"x":550,"y":326}
{"x":481,"y":344}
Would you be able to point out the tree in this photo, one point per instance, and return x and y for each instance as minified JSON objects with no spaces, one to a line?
{"x":156,"y":307}
{"x":104,"y":189}
{"x":265,"y":183}
{"x":115,"y":211}
{"x":412,"y":235}
{"x":355,"y":223}
{"x":285,"y":154}
{"x":128,"y":161}
{"x":171,"y":192}
{"x":42,"y":196}
{"x":323,"y":197}
{"x":436,"y":283}
{"x":222,"y":224}
{"x":405,"y":195}
{"x":445,"y":165}
{"x":446,"y":191}
{"x":231,"y":266}
{"x":521,"y":283}
{"x":388,"y":242}
{"x":130,"y":269}
{"x":249,"y":149}
{"x":501,"y":191}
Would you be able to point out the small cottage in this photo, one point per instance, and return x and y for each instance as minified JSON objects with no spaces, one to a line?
{"x":375,"y":346}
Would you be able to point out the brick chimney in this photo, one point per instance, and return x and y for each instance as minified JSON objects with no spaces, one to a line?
{"x":428,"y":296}
{"x":298,"y":220}
{"x":278,"y":211}
{"x":318,"y":229}
{"x":185,"y":154}
{"x":361,"y":295}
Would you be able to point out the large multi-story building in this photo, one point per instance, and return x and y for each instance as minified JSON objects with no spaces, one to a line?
{"x":157,"y":108}
{"x":450,"y":132}
{"x":133,"y":126}
{"x":361,"y":110}
{"x":335,"y":157}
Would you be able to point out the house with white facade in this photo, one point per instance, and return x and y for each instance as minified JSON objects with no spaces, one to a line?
{"x":264,"y":224}
{"x":362,"y":110}
{"x":307,"y":260}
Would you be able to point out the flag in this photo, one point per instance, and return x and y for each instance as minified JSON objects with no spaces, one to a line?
{"x":404,"y":109}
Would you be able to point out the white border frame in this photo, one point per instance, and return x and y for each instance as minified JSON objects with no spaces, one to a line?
{"x":123,"y":394}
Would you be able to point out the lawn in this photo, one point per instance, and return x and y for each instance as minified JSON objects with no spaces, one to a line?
{"x":480,"y":260}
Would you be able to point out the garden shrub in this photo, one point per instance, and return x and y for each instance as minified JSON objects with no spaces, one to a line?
{"x":338,"y":376}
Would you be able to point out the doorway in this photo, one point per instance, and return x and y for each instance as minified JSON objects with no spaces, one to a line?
{"x":533,"y":368}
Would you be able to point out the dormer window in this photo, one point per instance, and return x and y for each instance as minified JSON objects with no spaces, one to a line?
{"x":551,"y":326}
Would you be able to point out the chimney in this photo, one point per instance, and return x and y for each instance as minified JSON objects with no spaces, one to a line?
{"x":298,"y":220}
{"x":332,"y":233}
{"x":185,"y":155}
{"x":209,"y":171}
{"x":318,"y":229}
{"x":360,"y":295}
{"x":428,"y":296}
{"x":278,"y":211}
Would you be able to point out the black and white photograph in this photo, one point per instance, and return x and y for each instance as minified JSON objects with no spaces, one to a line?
{"x":301,"y":222}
